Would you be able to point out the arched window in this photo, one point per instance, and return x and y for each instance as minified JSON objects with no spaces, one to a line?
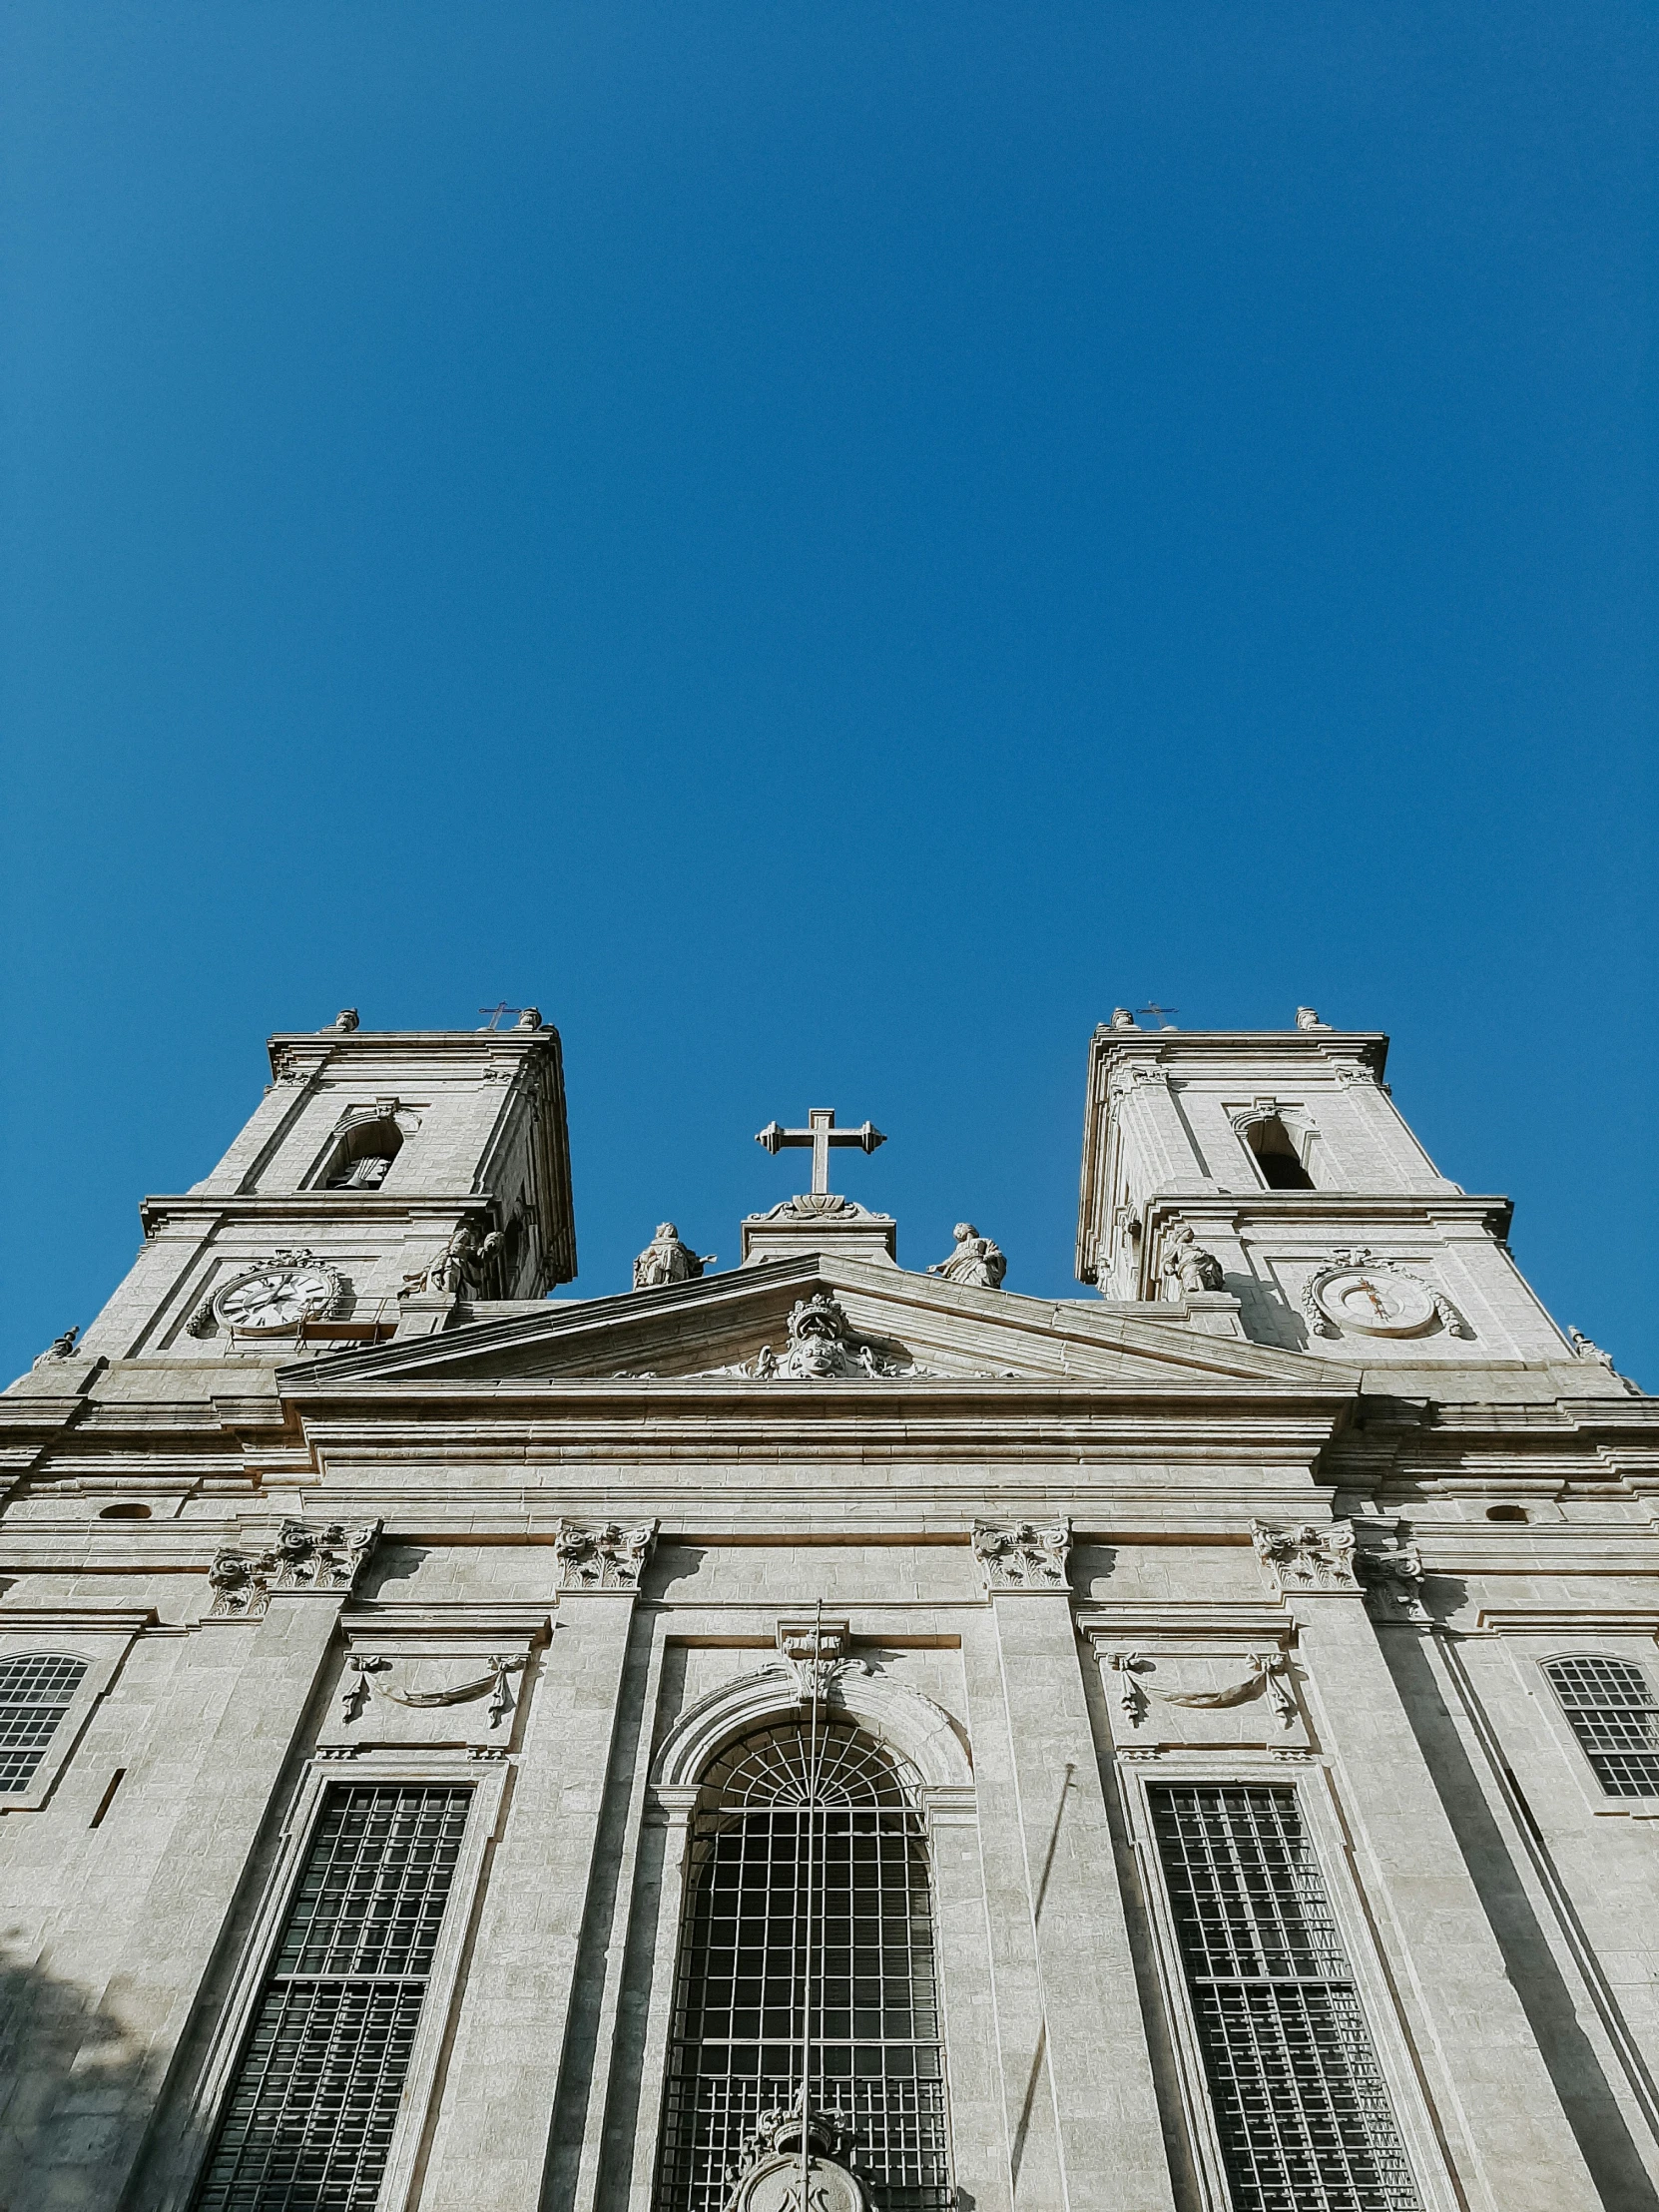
{"x":362,"y":1156}
{"x":37,"y":1688}
{"x":808,"y":1954}
{"x":1275,"y":1152}
{"x":1610,"y":1708}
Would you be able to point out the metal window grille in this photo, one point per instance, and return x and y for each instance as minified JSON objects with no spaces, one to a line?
{"x":808,"y":1945}
{"x":1610,"y":1708}
{"x":37,"y":1688}
{"x":1300,"y":2103}
{"x":308,"y":2120}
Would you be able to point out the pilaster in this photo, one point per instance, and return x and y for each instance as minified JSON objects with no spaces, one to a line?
{"x":1095,"y":2053}
{"x":1503,"y":2120}
{"x":92,"y":2134}
{"x":492,"y":2145}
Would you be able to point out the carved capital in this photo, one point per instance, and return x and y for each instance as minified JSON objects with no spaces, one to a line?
{"x":1306,"y":1558}
{"x":1022,"y":1555}
{"x":324,"y":1560}
{"x":1393,"y":1578}
{"x":602,"y":1555}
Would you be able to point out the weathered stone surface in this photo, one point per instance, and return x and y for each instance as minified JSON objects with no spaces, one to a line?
{"x":1047,"y":1557}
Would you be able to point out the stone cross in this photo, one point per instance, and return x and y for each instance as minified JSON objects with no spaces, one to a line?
{"x":821,"y":1135}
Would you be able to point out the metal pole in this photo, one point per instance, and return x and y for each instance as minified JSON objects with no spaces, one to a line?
{"x":813,"y":1757}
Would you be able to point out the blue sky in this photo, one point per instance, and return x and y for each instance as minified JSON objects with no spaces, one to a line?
{"x":829,"y":546}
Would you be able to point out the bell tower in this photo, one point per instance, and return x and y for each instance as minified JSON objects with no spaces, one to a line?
{"x":1267,"y":1178}
{"x":372,"y":1156}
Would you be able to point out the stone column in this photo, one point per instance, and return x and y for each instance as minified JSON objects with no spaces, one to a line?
{"x":281,"y":1608}
{"x":1498,"y":2107}
{"x":1096,"y":2059}
{"x":491,"y":2146}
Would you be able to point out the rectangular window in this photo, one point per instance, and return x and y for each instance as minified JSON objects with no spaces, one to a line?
{"x":1611,"y":1709}
{"x":37,"y":1688}
{"x":1300,"y":2107}
{"x":308,"y":2120}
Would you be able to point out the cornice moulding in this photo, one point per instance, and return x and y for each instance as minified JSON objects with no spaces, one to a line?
{"x":390,"y":1627}
{"x":1584,"y":1620}
{"x":1104,"y":1622}
{"x":46,"y":1620}
{"x":315,"y":1207}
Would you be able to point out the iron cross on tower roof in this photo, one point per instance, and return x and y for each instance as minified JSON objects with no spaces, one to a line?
{"x":820,"y":1134}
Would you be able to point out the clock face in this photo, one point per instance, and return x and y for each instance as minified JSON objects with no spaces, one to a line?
{"x":276,"y":1299}
{"x":1376,"y":1301}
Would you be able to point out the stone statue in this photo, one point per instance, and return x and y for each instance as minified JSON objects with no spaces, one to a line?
{"x":1186,"y":1266}
{"x":1307,"y":1017}
{"x":529,"y":1017}
{"x":1584,"y":1349}
{"x":666,"y":1260}
{"x":975,"y":1260}
{"x":346,"y":1019}
{"x":1122,"y":1018}
{"x":461,"y":1264}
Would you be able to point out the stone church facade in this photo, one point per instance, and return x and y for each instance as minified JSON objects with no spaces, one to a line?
{"x":828,"y":1734}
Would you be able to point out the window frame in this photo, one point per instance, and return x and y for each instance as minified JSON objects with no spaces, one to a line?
{"x":487,"y":1781}
{"x":1302,"y":1135}
{"x":101,"y":1651}
{"x":702,"y":1827}
{"x":1603,"y":1801}
{"x":1309,"y":1778}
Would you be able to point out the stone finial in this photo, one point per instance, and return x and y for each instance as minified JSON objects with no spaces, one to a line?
{"x":1308,"y":1018}
{"x":666,"y":1260}
{"x":1022,"y":1555}
{"x":323,"y":1560}
{"x":1122,"y":1018}
{"x":974,"y":1260}
{"x":1186,"y":1266}
{"x":602,"y":1555}
{"x":345,"y":1020}
{"x":1307,"y":1557}
{"x":62,"y":1347}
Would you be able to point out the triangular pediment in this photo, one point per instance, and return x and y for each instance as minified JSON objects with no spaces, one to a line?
{"x":919,"y":1330}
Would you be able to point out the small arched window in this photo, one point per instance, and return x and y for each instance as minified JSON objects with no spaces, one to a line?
{"x":1610,"y":1708}
{"x":362,"y":1156}
{"x":1275,"y":1152}
{"x":806,"y":1959}
{"x":37,"y":1688}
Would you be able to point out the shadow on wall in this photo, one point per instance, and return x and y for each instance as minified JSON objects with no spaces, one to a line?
{"x":68,"y":2071}
{"x":1587,"y":2098}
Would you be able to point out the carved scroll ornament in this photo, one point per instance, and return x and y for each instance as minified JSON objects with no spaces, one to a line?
{"x":1266,"y":1675}
{"x":359,"y":1686}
